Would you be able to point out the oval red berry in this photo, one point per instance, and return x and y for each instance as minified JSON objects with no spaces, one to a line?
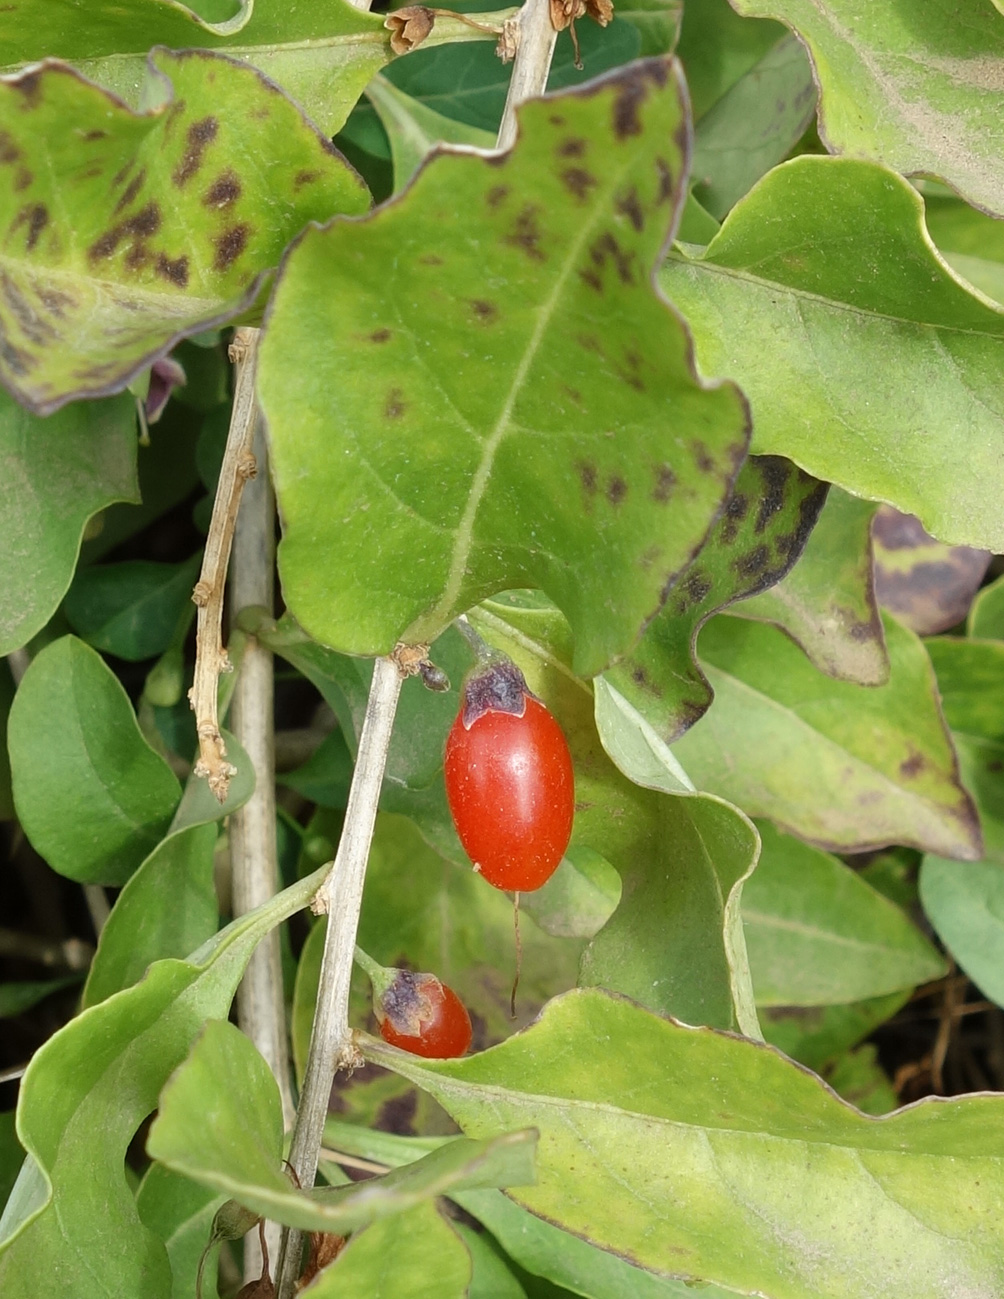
{"x":444,"y":1027}
{"x":511,"y":791}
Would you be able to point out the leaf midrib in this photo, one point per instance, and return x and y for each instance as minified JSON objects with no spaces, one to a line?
{"x":510,"y":1098}
{"x":824,"y":936}
{"x":464,"y":544}
{"x":833,"y":304}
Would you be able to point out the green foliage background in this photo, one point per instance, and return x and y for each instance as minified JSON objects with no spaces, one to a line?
{"x":648,"y":398}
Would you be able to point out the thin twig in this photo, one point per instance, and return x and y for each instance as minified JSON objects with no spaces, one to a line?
{"x":98,"y":906}
{"x":70,"y":954}
{"x":531,"y":66}
{"x":210,"y":657}
{"x":352,"y":1161}
{"x":341,"y":897}
{"x":261,"y":1009}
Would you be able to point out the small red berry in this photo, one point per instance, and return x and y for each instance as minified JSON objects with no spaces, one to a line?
{"x":419,"y":1014}
{"x":509,"y":781}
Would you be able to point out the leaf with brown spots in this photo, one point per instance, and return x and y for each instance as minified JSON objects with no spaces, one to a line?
{"x":458,"y":458}
{"x":925,"y":583}
{"x":827,"y":602}
{"x":137,"y":229}
{"x":762,"y":531}
{"x":781,"y":734}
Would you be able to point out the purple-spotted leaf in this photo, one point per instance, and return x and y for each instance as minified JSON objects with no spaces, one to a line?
{"x":927,"y":584}
{"x":827,"y":602}
{"x":762,"y":532}
{"x":522,"y":410}
{"x":780,"y":731}
{"x":126,"y":231}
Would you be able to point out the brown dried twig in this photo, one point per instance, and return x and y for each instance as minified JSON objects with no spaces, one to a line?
{"x":210,"y":657}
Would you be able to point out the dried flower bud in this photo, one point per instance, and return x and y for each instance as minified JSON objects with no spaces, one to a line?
{"x":409,"y":27}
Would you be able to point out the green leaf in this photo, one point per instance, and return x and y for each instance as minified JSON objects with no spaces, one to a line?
{"x":568,"y":1261}
{"x":634,"y":745}
{"x":84,"y":1095}
{"x":971,"y":684}
{"x":168,"y":908}
{"x":655,"y":947}
{"x":817,"y":1035}
{"x":878,"y":355}
{"x":180,"y":1213}
{"x":131,"y":610}
{"x":31,"y":30}
{"x":58,"y":473}
{"x":473,"y":451}
{"x":166,"y":471}
{"x":827,"y":603}
{"x":754,"y":126}
{"x":705,"y":1156}
{"x":414,"y":129}
{"x":219,"y":1122}
{"x":134,"y":229}
{"x":93,"y":797}
{"x":323,"y":55}
{"x":16,"y":998}
{"x":490,"y":1277}
{"x":657,"y":23}
{"x":972,"y":695}
{"x":540,"y":1248}
{"x":925,"y":583}
{"x":818,"y":935}
{"x":912,"y":89}
{"x":780,"y":731}
{"x":578,"y":899}
{"x":11,"y":1155}
{"x":469,"y":83}
{"x":765,"y":525}
{"x":415,"y":1255}
{"x":971,"y":242}
{"x":718,"y":48}
{"x":679,"y":950}
{"x":964,"y":901}
{"x":860,"y":1079}
{"x":986,"y":616}
{"x":326,"y":775}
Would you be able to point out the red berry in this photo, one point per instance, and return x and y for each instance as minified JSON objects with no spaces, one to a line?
{"x":509,"y":783}
{"x":421,"y":1015}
